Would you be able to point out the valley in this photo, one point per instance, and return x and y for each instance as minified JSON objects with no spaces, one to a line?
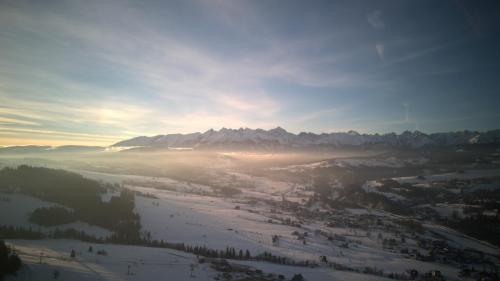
{"x":376,"y":215}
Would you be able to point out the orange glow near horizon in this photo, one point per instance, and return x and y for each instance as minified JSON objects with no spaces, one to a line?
{"x":49,"y":142}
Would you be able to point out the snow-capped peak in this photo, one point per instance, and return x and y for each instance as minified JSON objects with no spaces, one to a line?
{"x":279,"y":137}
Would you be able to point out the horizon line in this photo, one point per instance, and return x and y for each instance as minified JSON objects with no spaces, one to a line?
{"x":247,"y":128}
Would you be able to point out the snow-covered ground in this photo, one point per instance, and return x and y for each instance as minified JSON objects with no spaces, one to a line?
{"x":16,"y":209}
{"x":262,"y":187}
{"x":196,"y":218}
{"x":469,"y":174}
{"x":426,"y":182}
{"x":145,"y":263}
{"x":138,"y":263}
{"x":372,"y":187}
{"x":215,"y":222}
{"x":448,"y":210}
{"x":178,"y":215}
{"x":463,"y":241}
{"x":303,"y":167}
{"x":389,"y":162}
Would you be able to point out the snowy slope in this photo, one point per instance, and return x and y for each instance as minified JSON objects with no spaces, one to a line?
{"x":145,"y":264}
{"x":17,"y":211}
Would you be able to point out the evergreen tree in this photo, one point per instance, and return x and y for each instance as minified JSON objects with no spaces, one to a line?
{"x":9,"y":262}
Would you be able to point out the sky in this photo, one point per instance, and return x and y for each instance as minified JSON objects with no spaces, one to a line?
{"x":99,"y":71}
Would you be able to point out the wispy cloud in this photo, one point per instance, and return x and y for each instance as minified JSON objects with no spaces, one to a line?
{"x":113,"y":68}
{"x":14,"y":121}
{"x":375,"y":19}
{"x":380,"y":51}
{"x":60,"y":134}
{"x":417,"y":54}
{"x":185,"y":77}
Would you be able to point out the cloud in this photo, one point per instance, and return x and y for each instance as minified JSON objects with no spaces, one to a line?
{"x":60,"y":134}
{"x":380,"y":51}
{"x":410,"y":56}
{"x":14,"y":121}
{"x":180,"y":77}
{"x":375,"y":19}
{"x":200,"y":121}
{"x":103,"y":73}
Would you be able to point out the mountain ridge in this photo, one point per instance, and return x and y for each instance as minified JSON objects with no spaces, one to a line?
{"x":280,"y":138}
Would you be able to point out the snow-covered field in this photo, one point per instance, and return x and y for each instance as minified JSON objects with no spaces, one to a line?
{"x":303,"y":167}
{"x":463,"y":241}
{"x":15,"y":210}
{"x":469,"y":174}
{"x":372,"y":186}
{"x":145,"y":263}
{"x":426,"y":182}
{"x":138,"y":263}
{"x":178,"y":214}
{"x":215,"y":222}
{"x":389,"y":162}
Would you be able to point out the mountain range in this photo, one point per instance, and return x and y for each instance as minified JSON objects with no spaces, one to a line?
{"x":280,"y":138}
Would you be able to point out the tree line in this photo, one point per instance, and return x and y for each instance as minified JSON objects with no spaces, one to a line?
{"x":11,"y":232}
{"x":81,"y":195}
{"x":10,"y":262}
